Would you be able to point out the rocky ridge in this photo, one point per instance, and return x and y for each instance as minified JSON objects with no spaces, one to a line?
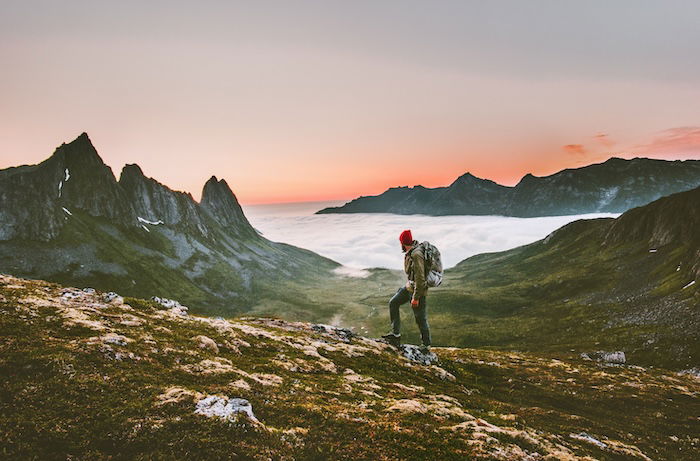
{"x":69,"y":220}
{"x":614,"y":186}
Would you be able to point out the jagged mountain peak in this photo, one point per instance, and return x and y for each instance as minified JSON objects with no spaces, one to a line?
{"x":78,"y":153}
{"x":221,"y":203}
{"x":217,"y":190}
{"x":38,"y":199}
{"x":131,"y":169}
{"x":468,"y":179}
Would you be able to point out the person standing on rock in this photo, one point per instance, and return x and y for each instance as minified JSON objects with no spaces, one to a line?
{"x":414,"y":291}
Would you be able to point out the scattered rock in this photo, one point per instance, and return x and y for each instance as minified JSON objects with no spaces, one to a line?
{"x":222,"y":407}
{"x":112,"y":298}
{"x":205,"y":342}
{"x":694,"y":372}
{"x":414,"y":354}
{"x":343,"y":334}
{"x":616,"y":357}
{"x":172,"y":305}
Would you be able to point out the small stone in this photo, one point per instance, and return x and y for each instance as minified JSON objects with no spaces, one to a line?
{"x":205,"y":342}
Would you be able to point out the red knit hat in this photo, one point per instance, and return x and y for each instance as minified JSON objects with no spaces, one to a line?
{"x":406,"y":238}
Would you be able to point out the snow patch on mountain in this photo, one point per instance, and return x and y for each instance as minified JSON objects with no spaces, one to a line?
{"x":152,"y":223}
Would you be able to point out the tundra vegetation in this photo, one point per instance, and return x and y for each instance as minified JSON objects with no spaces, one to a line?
{"x":91,"y":375}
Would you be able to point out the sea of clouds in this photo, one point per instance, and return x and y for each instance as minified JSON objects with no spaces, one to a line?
{"x":371,"y":239}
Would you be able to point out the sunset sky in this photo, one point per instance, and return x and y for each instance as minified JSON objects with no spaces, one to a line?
{"x":323,"y":100}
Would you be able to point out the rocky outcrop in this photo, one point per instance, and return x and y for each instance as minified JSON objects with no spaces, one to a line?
{"x":220,"y":202}
{"x":155,"y":203}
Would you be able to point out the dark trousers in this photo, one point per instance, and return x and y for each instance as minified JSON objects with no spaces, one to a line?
{"x":403,"y":296}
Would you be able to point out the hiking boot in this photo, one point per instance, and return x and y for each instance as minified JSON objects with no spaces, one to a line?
{"x":424,"y":349}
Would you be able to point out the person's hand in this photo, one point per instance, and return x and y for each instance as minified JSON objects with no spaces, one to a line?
{"x":414,"y":303}
{"x":408,"y":285}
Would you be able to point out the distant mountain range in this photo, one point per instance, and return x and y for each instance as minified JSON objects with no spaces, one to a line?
{"x":69,"y":220}
{"x":614,"y":186}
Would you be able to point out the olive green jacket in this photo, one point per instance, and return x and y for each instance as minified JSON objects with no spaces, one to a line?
{"x":414,"y":266}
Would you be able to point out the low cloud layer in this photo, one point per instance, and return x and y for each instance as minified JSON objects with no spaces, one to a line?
{"x":371,"y":240}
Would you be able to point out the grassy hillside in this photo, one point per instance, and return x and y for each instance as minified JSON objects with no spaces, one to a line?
{"x":85,"y":375}
{"x":571,"y":293}
{"x":208,"y":273}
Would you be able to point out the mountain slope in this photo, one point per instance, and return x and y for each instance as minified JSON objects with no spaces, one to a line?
{"x":614,"y":186}
{"x":69,"y":220}
{"x":87,"y":375}
{"x":616,"y":284}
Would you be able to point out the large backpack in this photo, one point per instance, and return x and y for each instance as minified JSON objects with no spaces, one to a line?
{"x":433,"y":264}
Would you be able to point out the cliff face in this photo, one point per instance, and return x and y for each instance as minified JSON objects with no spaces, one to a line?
{"x":36,"y":200}
{"x":33,"y":198}
{"x":92,"y":375}
{"x":153,"y":202}
{"x":220,"y":202}
{"x":614,"y":186}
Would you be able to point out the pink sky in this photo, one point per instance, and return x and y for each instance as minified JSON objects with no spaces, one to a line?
{"x":329,"y":100}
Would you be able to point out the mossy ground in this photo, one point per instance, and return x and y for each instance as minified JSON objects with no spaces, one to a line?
{"x":69,"y":393}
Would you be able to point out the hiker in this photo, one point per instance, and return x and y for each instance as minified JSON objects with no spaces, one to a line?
{"x":414,"y":291}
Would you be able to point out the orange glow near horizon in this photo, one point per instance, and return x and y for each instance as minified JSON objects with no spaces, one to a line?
{"x":258,"y":181}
